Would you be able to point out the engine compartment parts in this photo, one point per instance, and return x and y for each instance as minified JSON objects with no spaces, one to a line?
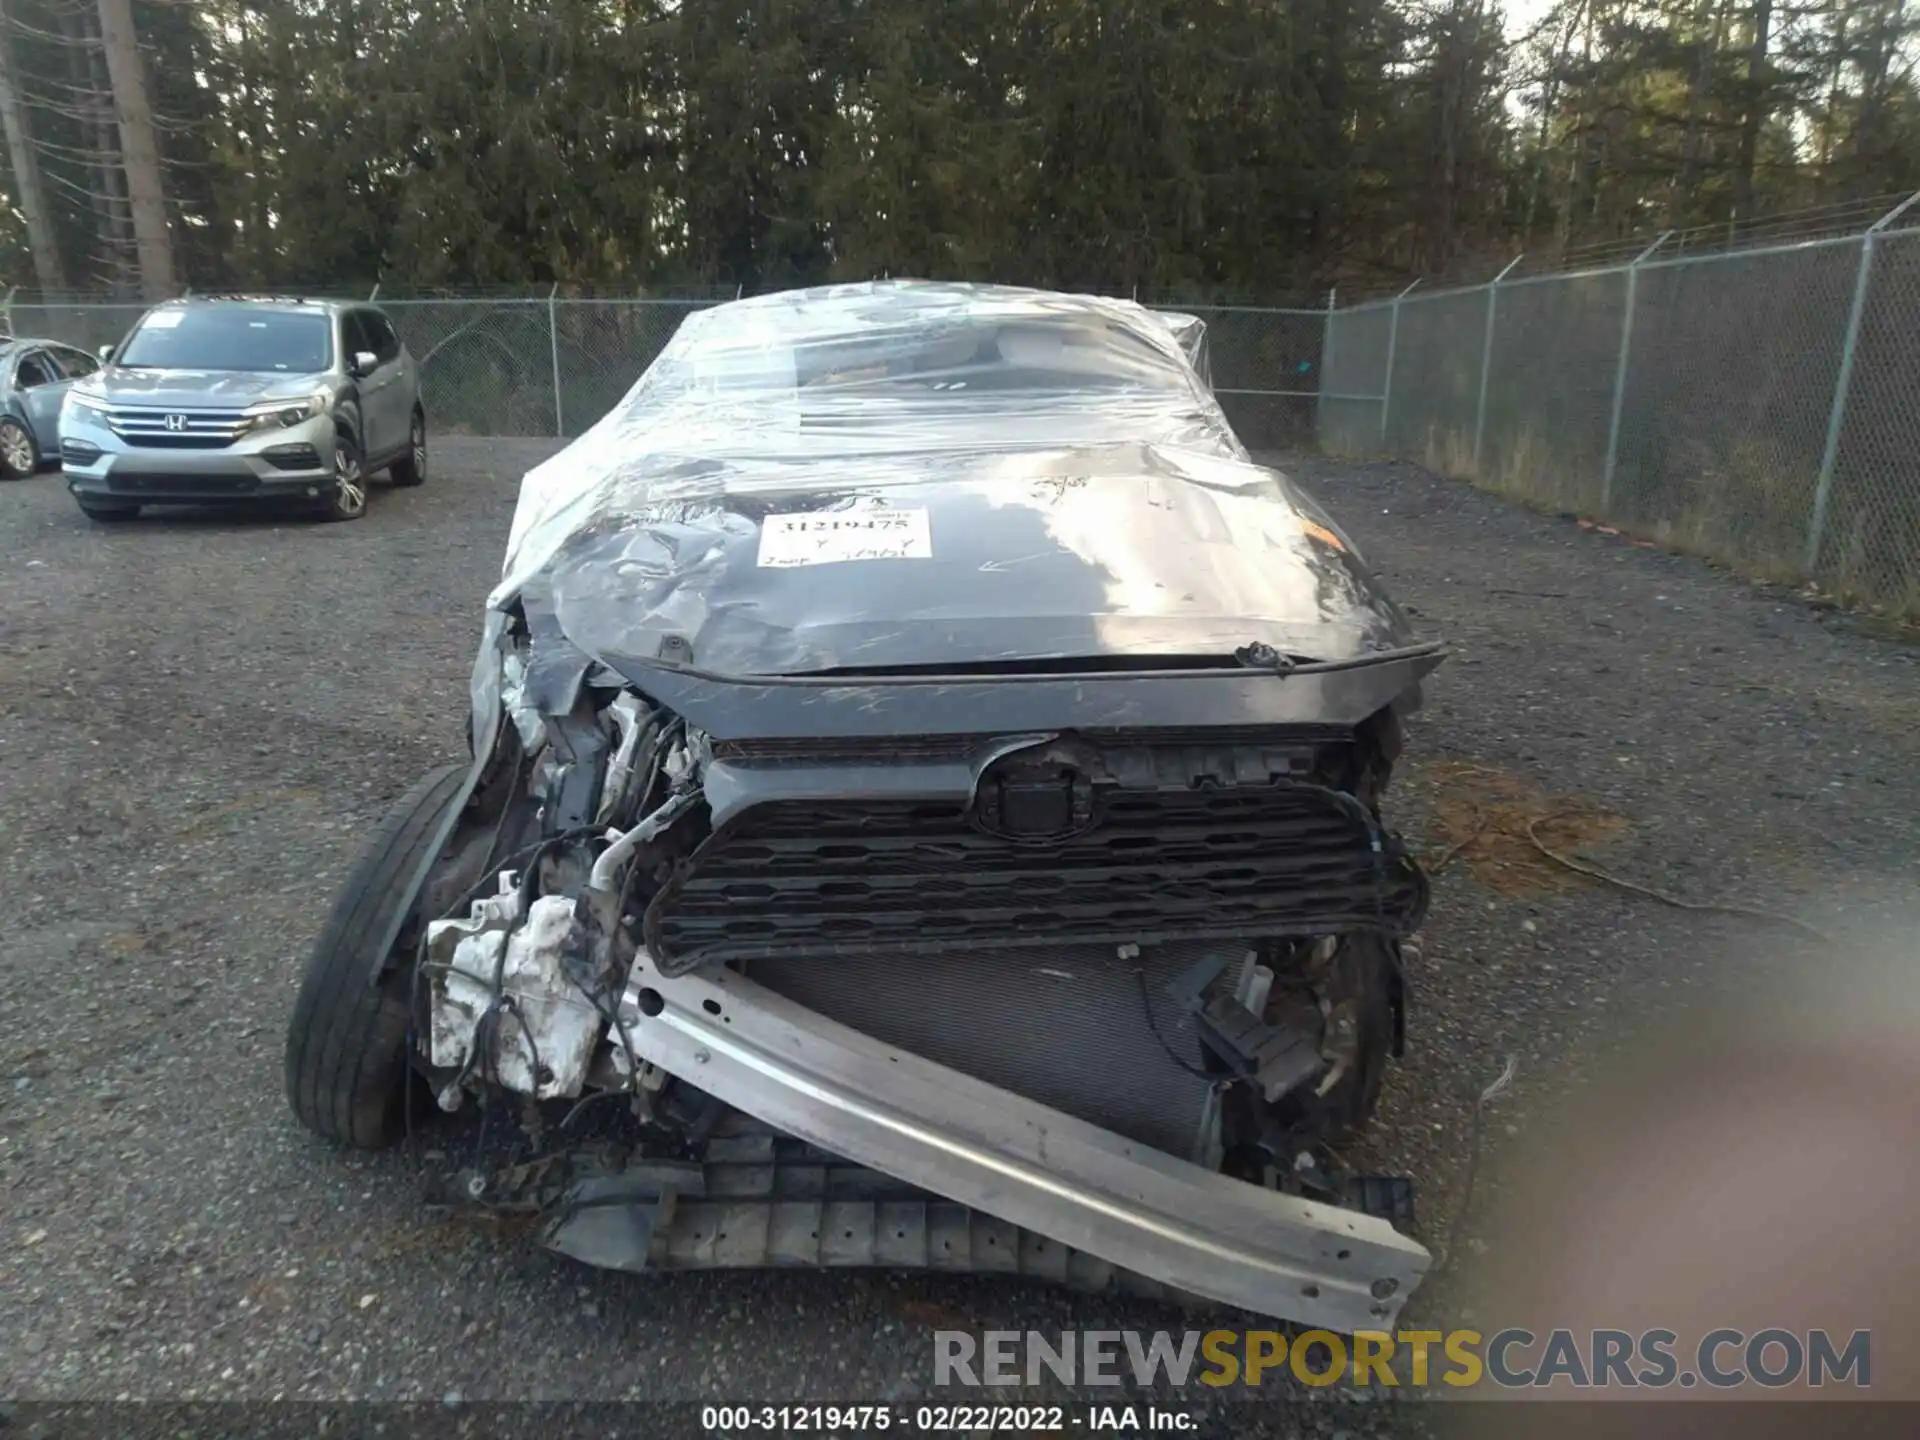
{"x":501,"y":1001}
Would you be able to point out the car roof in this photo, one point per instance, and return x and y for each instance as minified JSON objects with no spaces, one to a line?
{"x":270,"y":302}
{"x":11,"y":343}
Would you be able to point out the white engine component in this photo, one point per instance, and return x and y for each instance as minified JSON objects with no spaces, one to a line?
{"x":541,"y":1011}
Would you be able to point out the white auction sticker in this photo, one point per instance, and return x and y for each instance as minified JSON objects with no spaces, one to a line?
{"x":827,"y":537}
{"x":164,"y":320}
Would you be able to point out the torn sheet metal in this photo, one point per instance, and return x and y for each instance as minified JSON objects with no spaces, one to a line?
{"x":864,"y":477}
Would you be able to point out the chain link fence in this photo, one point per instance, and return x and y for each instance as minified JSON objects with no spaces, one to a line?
{"x":1758,"y":407}
{"x":553,"y":365}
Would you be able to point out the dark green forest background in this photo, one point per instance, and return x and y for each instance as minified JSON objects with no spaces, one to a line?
{"x":1204,"y":148}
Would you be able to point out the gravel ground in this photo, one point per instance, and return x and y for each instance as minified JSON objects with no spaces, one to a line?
{"x":202,"y":716}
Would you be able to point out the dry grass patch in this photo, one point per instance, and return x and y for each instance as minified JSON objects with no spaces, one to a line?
{"x":1490,"y":819}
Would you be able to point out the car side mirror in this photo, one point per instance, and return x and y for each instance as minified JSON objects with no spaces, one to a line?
{"x":106,"y":353}
{"x":364,"y":362}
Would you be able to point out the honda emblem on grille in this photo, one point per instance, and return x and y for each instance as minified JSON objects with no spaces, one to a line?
{"x":176,"y":422}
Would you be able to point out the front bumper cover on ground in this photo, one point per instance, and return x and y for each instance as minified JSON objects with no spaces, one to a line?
{"x":1042,"y":1173}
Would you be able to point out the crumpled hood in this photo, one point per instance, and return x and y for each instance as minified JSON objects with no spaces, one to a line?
{"x":913,"y":474}
{"x":188,"y":389}
{"x":972,"y":559}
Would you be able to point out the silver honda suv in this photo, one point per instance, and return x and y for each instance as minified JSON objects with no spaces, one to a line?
{"x":218,"y":400}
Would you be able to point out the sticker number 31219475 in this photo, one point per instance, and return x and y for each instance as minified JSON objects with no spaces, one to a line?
{"x":827,"y":537}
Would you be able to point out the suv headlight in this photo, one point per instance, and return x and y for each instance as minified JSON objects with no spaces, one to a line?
{"x":86,"y":407}
{"x":279,"y":414}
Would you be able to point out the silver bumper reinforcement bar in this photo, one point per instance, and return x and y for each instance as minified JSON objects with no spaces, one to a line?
{"x":1035,"y":1168}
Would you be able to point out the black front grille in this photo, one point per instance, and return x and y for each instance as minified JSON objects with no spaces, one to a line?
{"x":926,"y":749}
{"x":142,"y":484}
{"x":148,"y":441}
{"x":807,"y":878}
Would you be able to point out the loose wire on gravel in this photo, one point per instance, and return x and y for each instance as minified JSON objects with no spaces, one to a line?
{"x":1594,"y":872}
{"x":1452,"y":852}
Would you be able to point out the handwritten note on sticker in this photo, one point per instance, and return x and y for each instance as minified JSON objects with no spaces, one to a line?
{"x":829,"y":537}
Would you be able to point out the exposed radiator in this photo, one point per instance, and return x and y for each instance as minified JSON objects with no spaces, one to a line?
{"x":1066,"y":1026}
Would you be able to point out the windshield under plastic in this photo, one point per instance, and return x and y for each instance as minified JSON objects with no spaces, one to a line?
{"x":797,"y":392}
{"x":954,"y":357}
{"x":239,"y":338}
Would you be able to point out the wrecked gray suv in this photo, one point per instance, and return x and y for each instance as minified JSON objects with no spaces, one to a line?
{"x":924,"y":811}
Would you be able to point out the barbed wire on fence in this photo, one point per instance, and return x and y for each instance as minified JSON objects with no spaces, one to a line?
{"x":1758,"y":406}
{"x":1543,"y":256}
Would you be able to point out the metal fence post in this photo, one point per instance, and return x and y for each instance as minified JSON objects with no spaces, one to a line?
{"x":1836,"y":416}
{"x":1486,"y":359}
{"x":1620,"y":371}
{"x":1393,"y":341}
{"x":553,"y":340}
{"x":1320,"y":380}
{"x":6,"y":308}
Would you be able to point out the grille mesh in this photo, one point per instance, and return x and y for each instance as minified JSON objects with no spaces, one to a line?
{"x":811,"y":879}
{"x":139,"y":483}
{"x":177,"y":429}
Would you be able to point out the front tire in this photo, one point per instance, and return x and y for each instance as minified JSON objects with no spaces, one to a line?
{"x":347,"y":1062}
{"x":411,"y":468}
{"x":19,"y":451}
{"x":347,"y":500}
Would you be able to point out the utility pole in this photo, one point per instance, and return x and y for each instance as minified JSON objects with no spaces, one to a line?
{"x":146,"y":197}
{"x":30,"y":193}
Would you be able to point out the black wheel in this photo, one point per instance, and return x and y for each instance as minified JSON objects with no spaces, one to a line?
{"x":411,"y":468}
{"x":347,"y":500}
{"x":347,"y":1041}
{"x":108,"y":513}
{"x":19,"y":451}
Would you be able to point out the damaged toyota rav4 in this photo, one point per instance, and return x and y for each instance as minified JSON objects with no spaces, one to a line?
{"x":924,"y":811}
